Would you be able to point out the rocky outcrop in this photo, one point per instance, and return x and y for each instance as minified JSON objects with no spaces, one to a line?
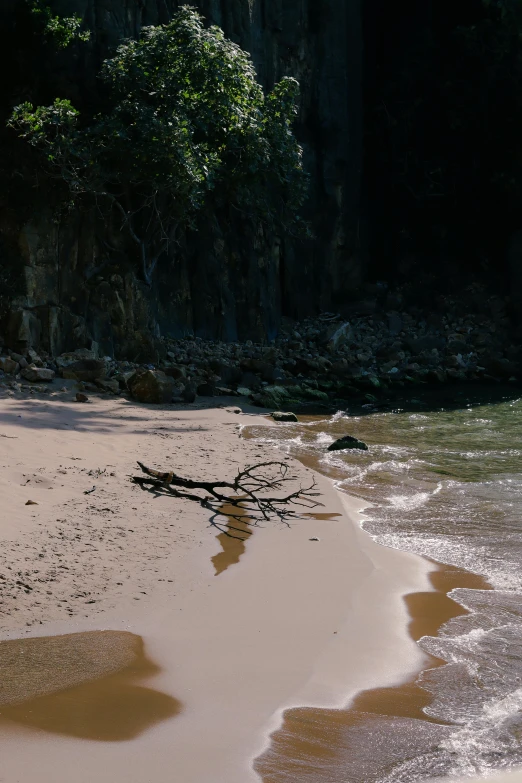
{"x":77,"y":279}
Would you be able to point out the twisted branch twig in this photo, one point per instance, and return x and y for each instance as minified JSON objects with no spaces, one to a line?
{"x":245,"y":493}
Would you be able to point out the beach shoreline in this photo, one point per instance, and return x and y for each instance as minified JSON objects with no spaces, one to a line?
{"x":294,"y":622}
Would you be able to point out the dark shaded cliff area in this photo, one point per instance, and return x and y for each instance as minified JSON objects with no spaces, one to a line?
{"x":406,"y":164}
{"x":443,"y":119}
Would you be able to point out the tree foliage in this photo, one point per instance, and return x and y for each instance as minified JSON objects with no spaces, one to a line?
{"x":186,"y":123}
{"x":61,"y":30}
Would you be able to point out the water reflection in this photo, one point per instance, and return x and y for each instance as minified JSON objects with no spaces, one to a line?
{"x":233,"y":540}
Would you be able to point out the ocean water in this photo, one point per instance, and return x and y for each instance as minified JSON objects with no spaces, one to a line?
{"x":447,"y":484}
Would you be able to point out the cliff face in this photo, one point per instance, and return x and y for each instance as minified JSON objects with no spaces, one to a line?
{"x":69,"y":285}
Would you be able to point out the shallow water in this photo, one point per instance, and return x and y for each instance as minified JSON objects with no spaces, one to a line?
{"x":446,"y":484}
{"x":87,"y":685}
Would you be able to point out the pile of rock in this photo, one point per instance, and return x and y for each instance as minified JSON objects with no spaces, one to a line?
{"x":326,"y":358}
{"x":30,"y":368}
{"x":318,"y":362}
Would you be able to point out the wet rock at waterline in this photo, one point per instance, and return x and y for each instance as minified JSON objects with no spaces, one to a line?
{"x":283,"y":416}
{"x":347,"y":442}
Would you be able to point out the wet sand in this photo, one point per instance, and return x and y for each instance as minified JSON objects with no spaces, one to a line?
{"x":86,"y":685}
{"x":326,"y":746}
{"x":233,"y":541}
{"x":290,"y":621}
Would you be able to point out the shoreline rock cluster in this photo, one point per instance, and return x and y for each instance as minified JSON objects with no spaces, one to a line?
{"x":316,"y":363}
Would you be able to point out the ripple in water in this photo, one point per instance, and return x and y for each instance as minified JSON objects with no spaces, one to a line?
{"x":447,"y":485}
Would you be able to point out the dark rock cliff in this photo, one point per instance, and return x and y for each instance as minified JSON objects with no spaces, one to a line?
{"x":63,"y":284}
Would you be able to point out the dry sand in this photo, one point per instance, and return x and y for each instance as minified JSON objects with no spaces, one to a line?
{"x":289,"y":622}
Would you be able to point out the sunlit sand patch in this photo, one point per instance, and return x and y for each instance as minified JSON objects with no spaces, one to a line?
{"x":233,"y":542}
{"x":83,"y":685}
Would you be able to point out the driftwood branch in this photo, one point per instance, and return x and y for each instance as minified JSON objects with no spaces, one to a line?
{"x":258,"y":493}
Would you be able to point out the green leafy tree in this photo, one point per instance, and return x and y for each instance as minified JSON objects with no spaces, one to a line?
{"x":188,"y":124}
{"x":61,"y":30}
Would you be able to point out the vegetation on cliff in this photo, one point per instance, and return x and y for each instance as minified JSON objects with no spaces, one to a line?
{"x":184,"y":122}
{"x":61,"y":30}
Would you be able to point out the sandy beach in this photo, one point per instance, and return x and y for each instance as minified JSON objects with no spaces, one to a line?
{"x":195,"y":668}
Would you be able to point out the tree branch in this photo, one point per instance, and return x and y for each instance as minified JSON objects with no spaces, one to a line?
{"x":247,"y":493}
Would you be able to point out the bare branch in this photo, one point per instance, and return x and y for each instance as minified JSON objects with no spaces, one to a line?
{"x":248,"y":493}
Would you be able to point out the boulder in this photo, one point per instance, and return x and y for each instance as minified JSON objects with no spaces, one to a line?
{"x":272,"y":397}
{"x":109,"y":385}
{"x":437,"y":375}
{"x":259,"y":367}
{"x":456,"y":375}
{"x":9,"y":365}
{"x":500,"y":367}
{"x":369,"y":381}
{"x":395,"y":324}
{"x":341,"y":335}
{"x":458,"y":346}
{"x":33,"y":373}
{"x":34,"y":357}
{"x":250,"y":381}
{"x":340,"y":368}
{"x":189,"y":392}
{"x":175,"y":372}
{"x":347,"y":442}
{"x":426,"y":343}
{"x":306,"y":393}
{"x":224,"y":391}
{"x":85,"y":370}
{"x":282,"y":416}
{"x":303,"y":365}
{"x":206,"y":389}
{"x":229,"y":374}
{"x":151,"y":386}
{"x":17,"y":357}
{"x":66,"y":359}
